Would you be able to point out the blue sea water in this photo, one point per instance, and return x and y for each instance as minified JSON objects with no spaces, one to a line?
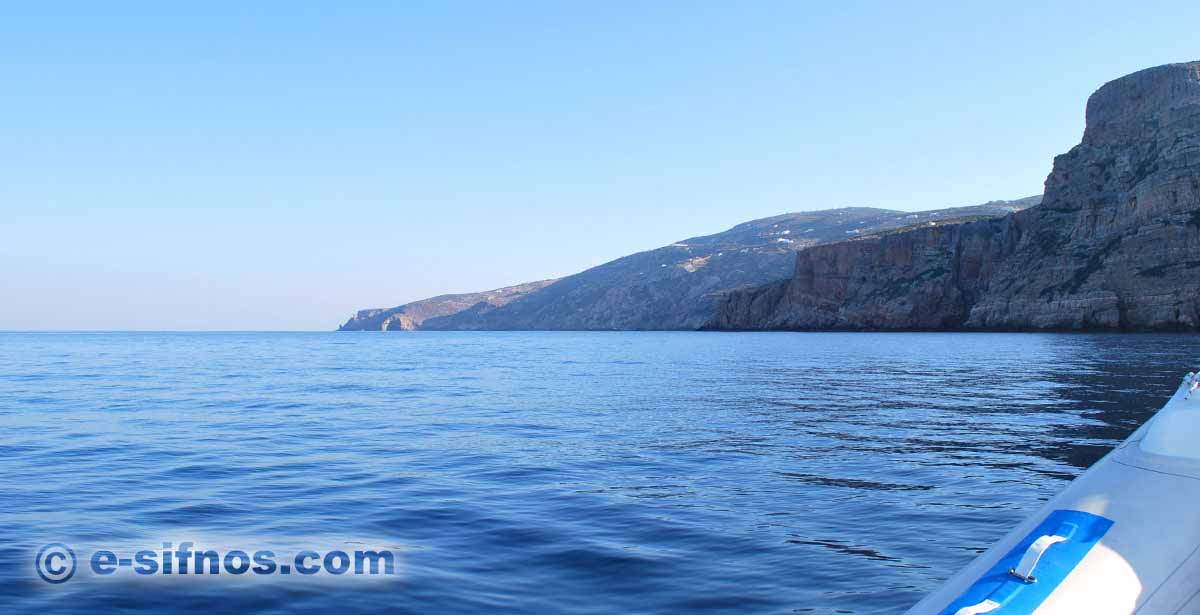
{"x":554,"y":472}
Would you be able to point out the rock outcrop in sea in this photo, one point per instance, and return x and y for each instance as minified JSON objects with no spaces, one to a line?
{"x":1114,"y":245}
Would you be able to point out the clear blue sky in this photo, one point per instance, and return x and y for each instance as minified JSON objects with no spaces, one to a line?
{"x":277,"y":165}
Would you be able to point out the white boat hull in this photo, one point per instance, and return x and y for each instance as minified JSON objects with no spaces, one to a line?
{"x":1123,"y":537}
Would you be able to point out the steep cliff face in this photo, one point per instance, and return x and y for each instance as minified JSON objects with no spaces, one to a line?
{"x":921,"y":278}
{"x":1115,"y":243}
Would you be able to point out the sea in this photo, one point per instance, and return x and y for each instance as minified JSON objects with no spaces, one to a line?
{"x":548,"y":472}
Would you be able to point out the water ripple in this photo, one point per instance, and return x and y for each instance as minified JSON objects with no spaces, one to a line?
{"x":559,"y":472}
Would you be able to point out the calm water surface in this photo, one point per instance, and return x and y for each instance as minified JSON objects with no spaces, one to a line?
{"x":556,"y":472}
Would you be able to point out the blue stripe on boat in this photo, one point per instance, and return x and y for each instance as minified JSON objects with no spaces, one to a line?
{"x":1016,"y":597}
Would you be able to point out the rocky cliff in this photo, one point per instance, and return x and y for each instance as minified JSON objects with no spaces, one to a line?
{"x":1115,"y":244}
{"x":677,"y":286}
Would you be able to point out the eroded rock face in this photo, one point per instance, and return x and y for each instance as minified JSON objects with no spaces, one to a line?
{"x":1115,"y":243}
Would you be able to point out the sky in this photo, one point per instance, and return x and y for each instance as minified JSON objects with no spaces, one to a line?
{"x":279,"y":165}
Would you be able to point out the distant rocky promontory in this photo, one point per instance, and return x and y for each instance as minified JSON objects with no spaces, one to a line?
{"x":679,"y":286}
{"x":410,"y":316}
